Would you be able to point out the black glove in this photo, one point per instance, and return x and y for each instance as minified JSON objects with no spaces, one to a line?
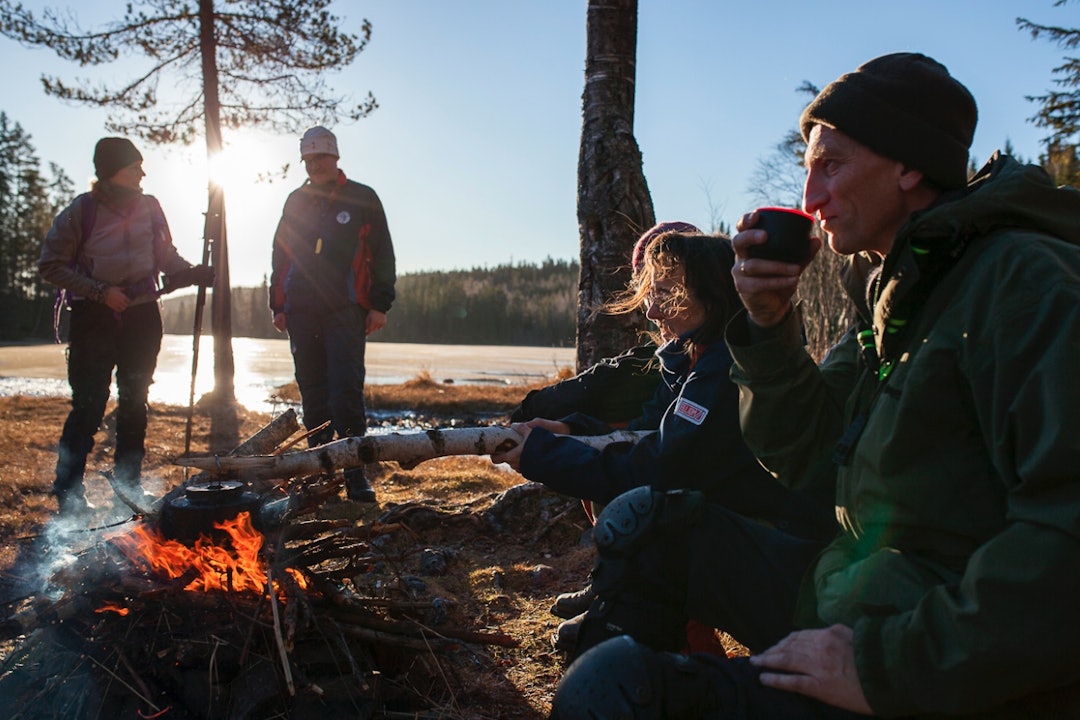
{"x":196,"y":275}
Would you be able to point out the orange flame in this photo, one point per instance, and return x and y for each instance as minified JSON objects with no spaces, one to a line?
{"x":109,"y":607}
{"x":234,"y":569}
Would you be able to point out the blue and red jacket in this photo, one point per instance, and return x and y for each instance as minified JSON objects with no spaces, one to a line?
{"x":332,"y":248}
{"x":698,"y":445}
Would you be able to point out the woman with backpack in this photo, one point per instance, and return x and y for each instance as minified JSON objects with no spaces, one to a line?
{"x":105,"y":252}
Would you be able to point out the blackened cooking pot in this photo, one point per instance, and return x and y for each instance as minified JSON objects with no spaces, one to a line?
{"x":185,"y":517}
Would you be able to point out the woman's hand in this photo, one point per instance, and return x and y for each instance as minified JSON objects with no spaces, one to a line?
{"x":512,"y":457}
{"x":556,"y":427}
{"x":116,"y":299}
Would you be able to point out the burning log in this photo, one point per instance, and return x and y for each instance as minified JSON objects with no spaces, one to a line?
{"x":407,"y":449}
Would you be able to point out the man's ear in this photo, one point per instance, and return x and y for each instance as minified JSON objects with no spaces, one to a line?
{"x":909,"y":178}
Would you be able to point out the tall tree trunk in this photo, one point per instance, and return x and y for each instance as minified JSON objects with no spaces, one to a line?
{"x":224,"y":423}
{"x":614,"y":205}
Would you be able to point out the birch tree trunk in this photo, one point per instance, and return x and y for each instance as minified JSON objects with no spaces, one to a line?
{"x":614,"y":205}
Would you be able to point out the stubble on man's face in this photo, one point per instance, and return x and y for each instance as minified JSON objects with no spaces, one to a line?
{"x":853,"y":192}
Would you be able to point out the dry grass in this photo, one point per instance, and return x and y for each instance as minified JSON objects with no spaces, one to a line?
{"x":498,"y":580}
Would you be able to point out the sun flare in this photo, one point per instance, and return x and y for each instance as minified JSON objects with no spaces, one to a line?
{"x":239,"y":166}
{"x":253,"y":205}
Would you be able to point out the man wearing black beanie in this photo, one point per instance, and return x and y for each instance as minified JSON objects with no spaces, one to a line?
{"x":947,"y":414}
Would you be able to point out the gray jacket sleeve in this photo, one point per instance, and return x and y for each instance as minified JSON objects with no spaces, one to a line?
{"x":56,"y":264}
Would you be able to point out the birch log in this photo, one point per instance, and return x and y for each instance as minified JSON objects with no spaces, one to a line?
{"x":270,"y":436}
{"x":407,"y":449}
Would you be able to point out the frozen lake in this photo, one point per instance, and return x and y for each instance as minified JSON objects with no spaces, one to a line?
{"x":262,"y":365}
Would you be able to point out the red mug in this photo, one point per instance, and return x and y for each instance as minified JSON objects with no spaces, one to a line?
{"x":789,"y":235}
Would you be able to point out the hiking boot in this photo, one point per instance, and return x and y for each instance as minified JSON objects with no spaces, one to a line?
{"x":570,"y":605}
{"x":648,"y":621}
{"x":566,"y":635}
{"x":127,"y":470}
{"x":73,"y":504}
{"x":358,"y":489}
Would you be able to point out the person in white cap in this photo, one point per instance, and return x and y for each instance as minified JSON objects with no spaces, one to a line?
{"x":332,"y":286}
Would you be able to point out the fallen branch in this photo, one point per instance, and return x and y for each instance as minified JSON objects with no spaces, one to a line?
{"x":407,"y":449}
{"x":393,"y":639}
{"x":413,"y":629}
{"x":278,"y":639}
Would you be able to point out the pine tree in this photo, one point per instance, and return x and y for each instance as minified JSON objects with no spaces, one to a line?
{"x":1059,"y":110}
{"x":26,"y":211}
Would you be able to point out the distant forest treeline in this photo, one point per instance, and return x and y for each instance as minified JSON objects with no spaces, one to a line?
{"x":518,"y":304}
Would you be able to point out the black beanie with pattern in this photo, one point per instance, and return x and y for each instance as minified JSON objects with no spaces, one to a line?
{"x":113,"y":154}
{"x":907,"y":107}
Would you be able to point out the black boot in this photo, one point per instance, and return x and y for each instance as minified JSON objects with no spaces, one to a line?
{"x":566,"y":635}
{"x":128,"y":471}
{"x":357,"y":487}
{"x":72,"y":502}
{"x":68,"y":486}
{"x":571,"y":604}
{"x":657,"y":623}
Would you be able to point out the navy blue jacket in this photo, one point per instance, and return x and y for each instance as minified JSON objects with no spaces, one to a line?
{"x":332,"y":248}
{"x":698,"y":445}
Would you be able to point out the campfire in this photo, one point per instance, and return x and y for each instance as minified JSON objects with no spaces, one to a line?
{"x":233,"y":566}
{"x":227,"y":599}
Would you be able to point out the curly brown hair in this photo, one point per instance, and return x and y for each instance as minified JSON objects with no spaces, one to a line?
{"x":706,"y":262}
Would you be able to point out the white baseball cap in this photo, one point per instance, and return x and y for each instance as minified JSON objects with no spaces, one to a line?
{"x":318,"y":141}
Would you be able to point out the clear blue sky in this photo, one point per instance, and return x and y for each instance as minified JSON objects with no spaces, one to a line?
{"x":474,"y":147}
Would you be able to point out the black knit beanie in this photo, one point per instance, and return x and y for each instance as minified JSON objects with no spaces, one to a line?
{"x":906,"y":107}
{"x":112,"y":154}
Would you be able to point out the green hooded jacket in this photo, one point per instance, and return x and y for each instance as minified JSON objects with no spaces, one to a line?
{"x":955,"y":439}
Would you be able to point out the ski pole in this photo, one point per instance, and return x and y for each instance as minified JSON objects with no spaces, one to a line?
{"x":200,"y":302}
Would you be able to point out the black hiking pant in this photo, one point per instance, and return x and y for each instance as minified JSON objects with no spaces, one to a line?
{"x":102,"y":340}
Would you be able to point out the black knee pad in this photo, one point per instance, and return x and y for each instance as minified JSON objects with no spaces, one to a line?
{"x":628,"y":519}
{"x":621,"y":678}
{"x":639,"y":537}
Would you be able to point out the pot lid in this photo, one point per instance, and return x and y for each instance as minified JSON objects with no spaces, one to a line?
{"x":217,"y":492}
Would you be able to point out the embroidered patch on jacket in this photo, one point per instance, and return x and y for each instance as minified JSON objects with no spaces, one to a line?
{"x":691,"y":411}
